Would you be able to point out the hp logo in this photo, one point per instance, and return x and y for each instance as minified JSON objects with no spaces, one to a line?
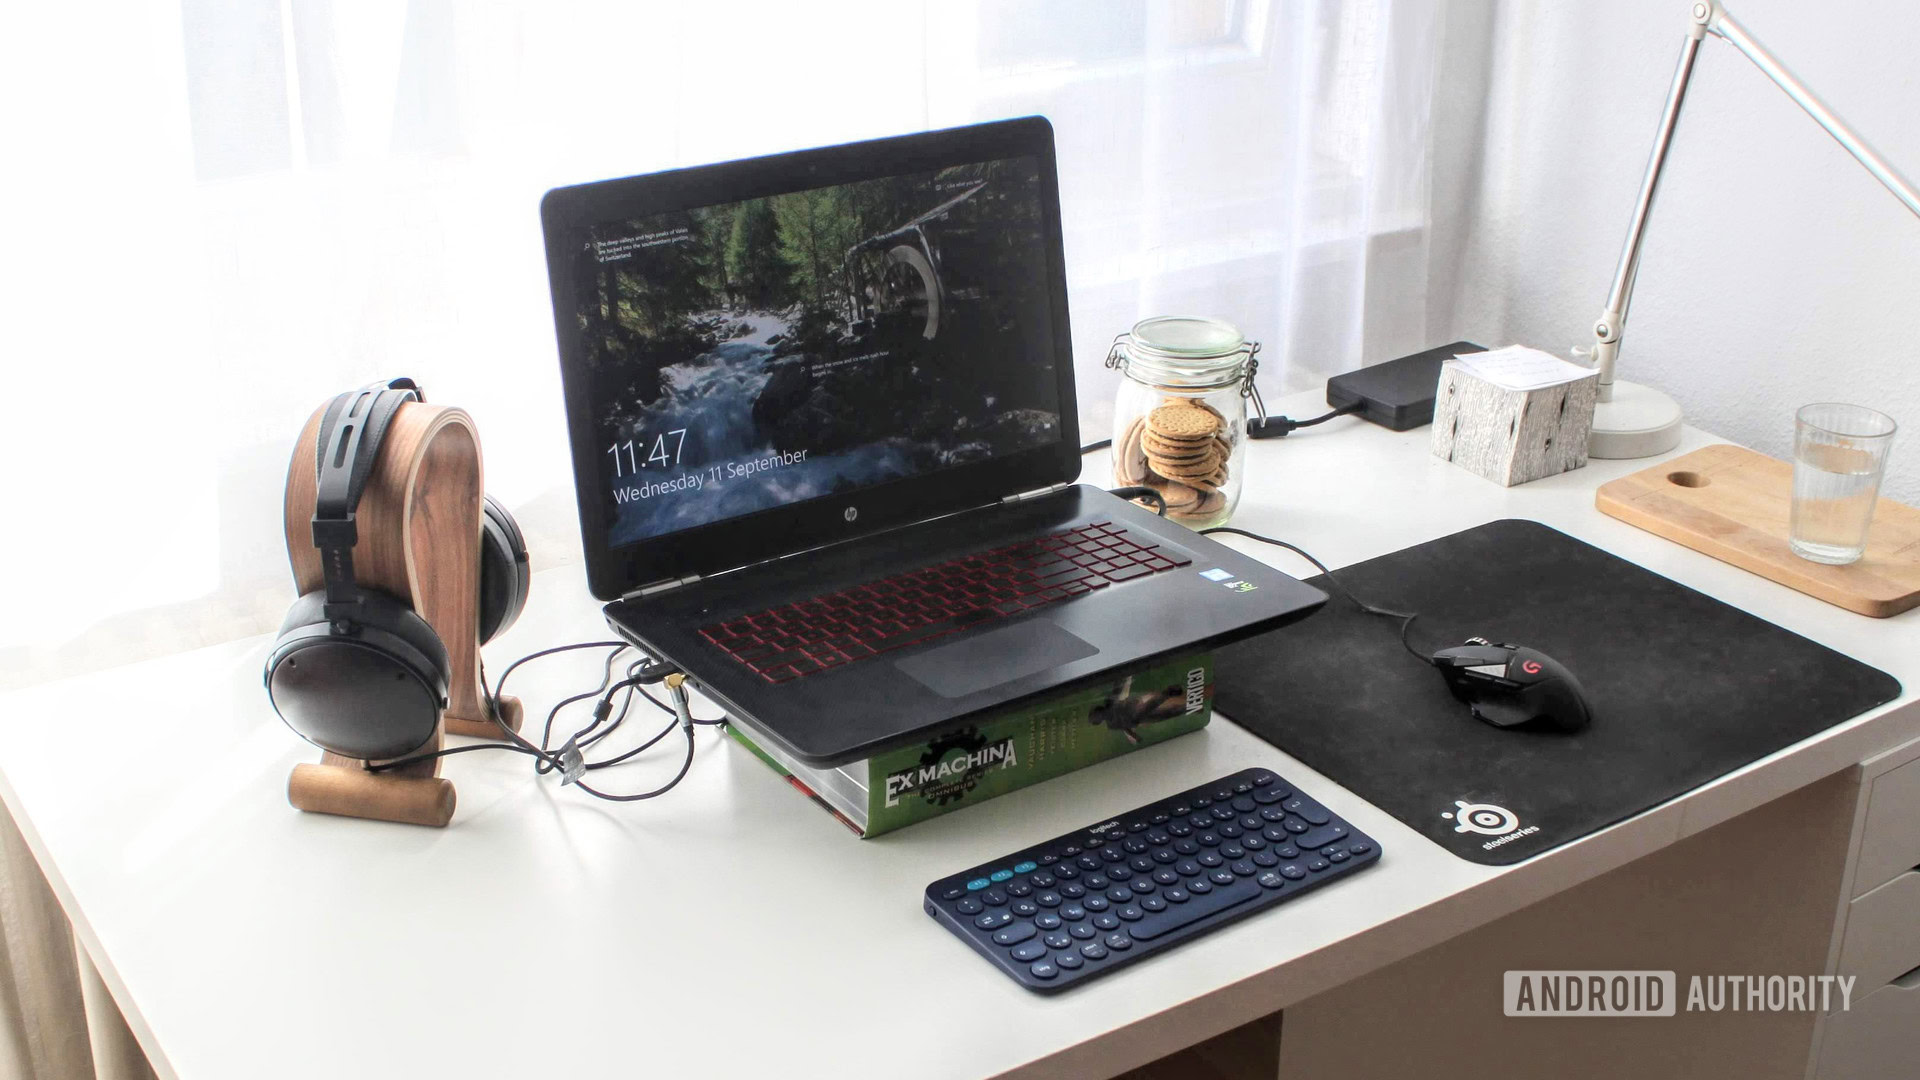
{"x":850,"y":513}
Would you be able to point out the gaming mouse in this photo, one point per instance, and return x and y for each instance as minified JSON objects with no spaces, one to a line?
{"x":1510,"y":685}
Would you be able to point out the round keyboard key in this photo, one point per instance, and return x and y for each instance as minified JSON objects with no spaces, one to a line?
{"x":1292,"y":872}
{"x":1211,"y":859}
{"x":1202,"y":802}
{"x":993,"y":920}
{"x":1276,"y":834}
{"x":1066,"y":871}
{"x":1265,"y":858}
{"x":1019,"y":888}
{"x":994,"y":897}
{"x":1181,"y":809}
{"x":1360,"y":849}
{"x":1179,"y":828}
{"x":1024,"y":908}
{"x":1073,"y":890}
{"x":1253,"y":841}
{"x":970,"y":906}
{"x":1222,"y":813}
{"x":954,"y":893}
{"x":1241,"y":867}
{"x":1338,"y":856}
{"x":1158,"y":838}
{"x":1049,"y":859}
{"x":1221,"y":877}
{"x":1042,"y":880}
{"x":1119,"y":894}
{"x":1142,"y":887}
{"x":1095,"y":882}
{"x":1136,"y":826}
{"x":1048,"y":899}
{"x":1069,"y":851}
{"x":1243,"y":787}
{"x":1043,"y":970}
{"x":1287,"y":851}
{"x":1027,"y":867}
{"x":1140,"y":864}
{"x":1188,"y":846}
{"x":999,"y":875}
{"x":1199,"y":886}
{"x":1273,"y":814}
{"x":1251,"y":823}
{"x":1158,"y":819}
{"x":1047,"y":920}
{"x":1130,"y":913}
{"x":1119,"y":942}
{"x":1095,"y":902}
{"x":1209,"y":839}
{"x":1068,"y":961}
{"x":1106,"y":920}
{"x":1271,"y":794}
{"x":1232,"y":851}
{"x":1176,"y":895}
{"x":1153,"y":903}
{"x":1166,"y":876}
{"x":1082,"y":931}
{"x":1201,"y":821}
{"x":1223,"y":794}
{"x":1295,"y":826}
{"x":1135,"y":845}
{"x":1164,"y":856}
{"x":1111,"y":853}
{"x":1262,"y":779}
{"x":1270,"y":879}
{"x":1073,"y":912}
{"x":1187,"y":868}
{"x":1088,"y":862}
{"x":1032,"y":950}
{"x":1229,"y":831}
{"x":1093,"y":950}
{"x":1244,"y":804}
{"x":1317,"y":865}
{"x":1059,"y":939}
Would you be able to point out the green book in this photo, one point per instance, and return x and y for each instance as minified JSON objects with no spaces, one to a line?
{"x":1023,"y":745}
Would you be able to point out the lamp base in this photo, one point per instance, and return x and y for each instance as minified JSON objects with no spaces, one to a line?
{"x":1639,"y":422}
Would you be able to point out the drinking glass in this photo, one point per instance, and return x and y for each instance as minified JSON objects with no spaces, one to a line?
{"x":1839,"y":456}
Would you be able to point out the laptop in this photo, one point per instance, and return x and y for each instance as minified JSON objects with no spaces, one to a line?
{"x":825,"y":441}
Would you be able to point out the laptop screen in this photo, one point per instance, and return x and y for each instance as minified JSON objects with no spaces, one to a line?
{"x":752,"y":355}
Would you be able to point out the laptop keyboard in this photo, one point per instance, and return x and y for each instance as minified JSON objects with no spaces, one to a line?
{"x":792,"y":641}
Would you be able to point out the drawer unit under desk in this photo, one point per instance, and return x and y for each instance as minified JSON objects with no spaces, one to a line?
{"x":1890,"y":837}
{"x":1878,"y":1038}
{"x":1881,"y":941}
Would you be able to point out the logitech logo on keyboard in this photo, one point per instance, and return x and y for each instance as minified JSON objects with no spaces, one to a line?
{"x":1098,"y":830}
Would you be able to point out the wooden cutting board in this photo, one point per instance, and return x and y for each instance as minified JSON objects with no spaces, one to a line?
{"x":1733,"y":504}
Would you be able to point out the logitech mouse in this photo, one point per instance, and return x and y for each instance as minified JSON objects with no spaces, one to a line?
{"x":1510,"y":685}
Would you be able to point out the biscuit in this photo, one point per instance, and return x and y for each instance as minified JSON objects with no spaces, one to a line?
{"x":1211,"y":503}
{"x":1184,"y":422}
{"x":1200,"y":470}
{"x":1179,"y":496}
{"x":1155,"y":443}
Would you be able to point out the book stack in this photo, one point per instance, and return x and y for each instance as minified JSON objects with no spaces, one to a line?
{"x":1022,"y":745}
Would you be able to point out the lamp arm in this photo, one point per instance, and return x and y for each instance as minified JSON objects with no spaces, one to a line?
{"x":1712,"y":17}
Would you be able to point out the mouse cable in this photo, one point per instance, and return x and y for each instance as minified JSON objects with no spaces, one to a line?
{"x":1142,"y":492}
{"x":1260,"y":427}
{"x":1406,"y":617}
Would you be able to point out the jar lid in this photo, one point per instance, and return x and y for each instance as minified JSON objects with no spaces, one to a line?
{"x":1186,"y":336}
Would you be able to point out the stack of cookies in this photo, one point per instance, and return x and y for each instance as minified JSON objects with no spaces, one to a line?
{"x":1180,"y":450}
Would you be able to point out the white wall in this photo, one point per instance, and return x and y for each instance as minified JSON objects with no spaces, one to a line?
{"x":1776,"y":271}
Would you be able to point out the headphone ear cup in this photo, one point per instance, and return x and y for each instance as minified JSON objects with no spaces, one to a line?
{"x":374,"y":693}
{"x":504,"y":571}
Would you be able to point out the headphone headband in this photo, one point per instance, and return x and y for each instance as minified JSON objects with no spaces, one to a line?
{"x":351,"y":433}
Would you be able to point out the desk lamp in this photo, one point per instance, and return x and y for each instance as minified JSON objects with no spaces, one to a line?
{"x":1631,"y":420}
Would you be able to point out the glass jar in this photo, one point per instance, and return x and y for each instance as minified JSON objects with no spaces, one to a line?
{"x":1180,"y":415}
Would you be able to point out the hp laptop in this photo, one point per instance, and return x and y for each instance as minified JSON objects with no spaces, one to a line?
{"x":825,"y":438}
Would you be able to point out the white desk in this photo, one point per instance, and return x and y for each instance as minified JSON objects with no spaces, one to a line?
{"x":729,"y":928}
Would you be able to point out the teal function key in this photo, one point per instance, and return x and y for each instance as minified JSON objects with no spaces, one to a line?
{"x":1002,"y":875}
{"x":1026,"y":867}
{"x":977,"y":884}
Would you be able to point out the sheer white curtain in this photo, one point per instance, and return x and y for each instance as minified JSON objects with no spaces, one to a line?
{"x":219,"y":212}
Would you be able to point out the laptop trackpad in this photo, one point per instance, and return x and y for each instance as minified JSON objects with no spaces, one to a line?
{"x":998,"y":656}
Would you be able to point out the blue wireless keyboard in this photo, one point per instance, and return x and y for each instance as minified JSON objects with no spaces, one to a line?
{"x":1083,"y":904}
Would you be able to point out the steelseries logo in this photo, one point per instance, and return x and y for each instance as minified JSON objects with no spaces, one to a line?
{"x":1488,"y":819}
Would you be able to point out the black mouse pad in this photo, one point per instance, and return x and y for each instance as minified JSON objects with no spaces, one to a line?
{"x":1683,"y":687}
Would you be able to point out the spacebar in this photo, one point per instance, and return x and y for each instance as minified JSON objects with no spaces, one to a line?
{"x":1192,"y":911}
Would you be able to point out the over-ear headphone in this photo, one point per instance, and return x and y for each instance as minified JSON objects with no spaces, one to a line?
{"x":355,"y":670}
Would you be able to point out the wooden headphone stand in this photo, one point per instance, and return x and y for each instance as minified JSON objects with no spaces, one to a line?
{"x":419,"y":528}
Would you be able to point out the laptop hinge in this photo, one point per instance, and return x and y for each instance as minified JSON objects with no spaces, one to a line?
{"x":663,"y":585}
{"x":1037,"y":492}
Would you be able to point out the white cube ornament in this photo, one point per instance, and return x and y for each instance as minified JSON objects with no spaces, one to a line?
{"x":1512,"y":436}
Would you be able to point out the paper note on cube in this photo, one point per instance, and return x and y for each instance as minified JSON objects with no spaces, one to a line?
{"x":1514,"y":414}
